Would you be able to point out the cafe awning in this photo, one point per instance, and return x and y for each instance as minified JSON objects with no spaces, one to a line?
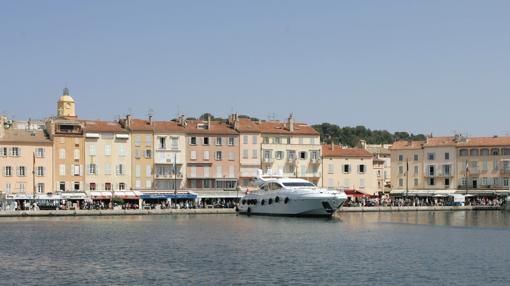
{"x":168,"y":195}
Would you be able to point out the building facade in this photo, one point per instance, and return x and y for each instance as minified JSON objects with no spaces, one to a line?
{"x":250,"y":140}
{"x":107,"y":156}
{"x":348,"y":169}
{"x":26,"y":159}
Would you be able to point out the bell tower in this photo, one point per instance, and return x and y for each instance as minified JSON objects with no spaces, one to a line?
{"x":65,"y":105}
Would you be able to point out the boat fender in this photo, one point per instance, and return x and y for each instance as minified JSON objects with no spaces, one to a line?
{"x":286,"y":200}
{"x":262,"y":202}
{"x":243,"y":202}
{"x":277,"y":199}
{"x":270,"y":201}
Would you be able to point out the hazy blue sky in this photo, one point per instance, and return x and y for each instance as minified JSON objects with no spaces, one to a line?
{"x":420,"y":66}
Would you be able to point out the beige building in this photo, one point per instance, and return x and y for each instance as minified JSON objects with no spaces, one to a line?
{"x":250,"y":141}
{"x":439,"y":163}
{"x":142,"y":152}
{"x":407,"y":165}
{"x":26,"y":159}
{"x":291,"y":149}
{"x":107,"y":156}
{"x":382,"y":163}
{"x":348,"y":169}
{"x":212,"y":155}
{"x":170,"y":154}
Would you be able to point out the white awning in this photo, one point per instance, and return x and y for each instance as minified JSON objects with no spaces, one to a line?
{"x":127,"y":194}
{"x":218,"y":194}
{"x":18,"y":197}
{"x":92,"y":135}
{"x":122,"y":136}
{"x":100,"y":195}
{"x":73,"y":196}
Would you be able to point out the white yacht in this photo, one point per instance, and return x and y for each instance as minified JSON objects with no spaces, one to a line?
{"x":290,"y":197}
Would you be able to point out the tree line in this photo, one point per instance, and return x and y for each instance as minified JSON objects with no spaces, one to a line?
{"x":350,"y":136}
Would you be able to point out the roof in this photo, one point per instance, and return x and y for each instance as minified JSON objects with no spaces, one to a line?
{"x":217,"y":127}
{"x":103,"y":126}
{"x":246,"y":125}
{"x":140,"y":125}
{"x":18,"y":136}
{"x":440,"y":141}
{"x":484,"y":141}
{"x":278,"y":127}
{"x":168,"y":126}
{"x":407,"y":145}
{"x":338,"y":151}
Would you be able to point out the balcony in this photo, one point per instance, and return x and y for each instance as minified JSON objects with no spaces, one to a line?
{"x":267,"y":160}
{"x":504,"y":171}
{"x":315,"y":161}
{"x":169,"y":176}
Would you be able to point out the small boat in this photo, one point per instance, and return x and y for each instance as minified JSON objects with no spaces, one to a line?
{"x":290,"y":197}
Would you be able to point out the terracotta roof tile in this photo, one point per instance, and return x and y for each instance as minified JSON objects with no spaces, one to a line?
{"x":140,"y":125}
{"x":407,"y":145}
{"x":338,"y":151}
{"x":484,"y":141}
{"x":168,"y":126}
{"x":278,"y":127}
{"x":440,"y":141}
{"x":25,"y":136}
{"x":217,"y":127}
{"x":103,"y":126}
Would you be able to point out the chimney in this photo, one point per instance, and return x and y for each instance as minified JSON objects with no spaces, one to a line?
{"x":291,"y":123}
{"x":209,"y":122}
{"x":2,"y":127}
{"x":332,"y":145}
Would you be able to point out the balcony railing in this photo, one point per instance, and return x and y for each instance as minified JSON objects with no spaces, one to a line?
{"x":169,"y":176}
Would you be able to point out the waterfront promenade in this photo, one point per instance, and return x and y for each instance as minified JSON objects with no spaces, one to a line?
{"x":55,"y":213}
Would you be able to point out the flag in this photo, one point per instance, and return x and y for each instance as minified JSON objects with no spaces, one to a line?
{"x":467,"y":167}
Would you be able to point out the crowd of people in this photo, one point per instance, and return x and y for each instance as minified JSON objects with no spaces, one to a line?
{"x":415,"y":201}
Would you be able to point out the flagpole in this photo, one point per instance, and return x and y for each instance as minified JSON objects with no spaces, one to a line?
{"x":467,"y":180}
{"x":407,"y":177}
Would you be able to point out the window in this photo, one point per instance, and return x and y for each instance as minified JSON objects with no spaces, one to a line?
{"x":15,"y":152}
{"x":62,"y":170}
{"x":148,"y":154}
{"x":447,"y":156}
{"x":92,"y":150}
{"x":161,"y":142}
{"x":473,"y":152}
{"x":291,"y":155}
{"x":76,"y":154}
{"x":122,"y":150}
{"x":219,"y":155}
{"x":416,"y":170}
{"x":22,"y":171}
{"x":7,"y":171}
{"x":193,"y":171}
{"x":415,"y":157}
{"x":245,"y":139}
{"x":347,"y":168}
{"x":122,"y":186}
{"x":506,"y":182}
{"x":3,"y":151}
{"x":431,"y":170}
{"x":206,"y":155}
{"x":361,"y":183}
{"x":265,"y":140}
{"x":231,"y":156}
{"x":401,"y":157}
{"x":148,"y":171}
{"x":40,"y":188}
{"x":148,"y":184}
{"x":267,"y":155}
{"x":62,"y":154}
{"x":39,"y":152}
{"x":107,"y":150}
{"x":315,"y":155}
{"x":206,"y":171}
{"x":254,"y":139}
{"x":495,"y":152}
{"x":302,"y":155}
{"x":447,"y":182}
{"x":432,"y":182}
{"x":76,"y":170}
{"x":76,"y":186}
{"x":40,"y":171}
{"x":205,"y":141}
{"x":231,"y":172}
{"x":446,"y":170}
{"x":193,"y":155}
{"x":331,"y":168}
{"x":219,"y":172}
{"x":361,"y":169}
{"x":401,"y":169}
{"x":231,"y":141}
{"x":416,"y":182}
{"x":505,"y":151}
{"x":400,"y":182}
{"x":279,"y":155}
{"x":138,"y":171}
{"x":120,"y":170}
{"x":431,"y":156}
{"x":92,"y":186}
{"x":62,"y":186}
{"x":495,"y":165}
{"x":21,"y":187}
{"x":245,"y":153}
{"x":463,"y":152}
{"x":276,"y":140}
{"x":175,"y":143}
{"x":485,"y":165}
{"x":193,"y":140}
{"x":138,"y":140}
{"x":484,"y":152}
{"x":148,"y":140}
{"x":301,"y":140}
{"x":107,"y":169}
{"x":219,"y":141}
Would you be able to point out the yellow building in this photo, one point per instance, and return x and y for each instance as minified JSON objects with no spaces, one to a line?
{"x":348,"y":169}
{"x":250,"y":141}
{"x":291,"y":149}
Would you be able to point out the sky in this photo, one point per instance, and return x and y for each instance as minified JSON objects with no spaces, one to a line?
{"x":433,"y":67}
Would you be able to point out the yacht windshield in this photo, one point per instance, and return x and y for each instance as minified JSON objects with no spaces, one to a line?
{"x":298,"y":184}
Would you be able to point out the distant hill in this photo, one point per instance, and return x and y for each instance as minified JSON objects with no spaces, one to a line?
{"x":350,"y":136}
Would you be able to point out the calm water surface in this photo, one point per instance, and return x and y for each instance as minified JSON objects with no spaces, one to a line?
{"x":412,"y":248}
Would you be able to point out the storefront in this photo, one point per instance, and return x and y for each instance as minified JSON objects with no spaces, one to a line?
{"x":218,"y":199}
{"x":168,"y":199}
{"x":73,"y":200}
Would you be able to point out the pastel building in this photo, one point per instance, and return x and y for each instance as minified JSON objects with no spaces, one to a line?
{"x":212,"y":155}
{"x":170,"y":154}
{"x":250,"y":141}
{"x":439,"y":164}
{"x":348,"y":169}
{"x":290,"y":149}
{"x":407,"y":165}
{"x":26,"y":159}
{"x":107,"y":156}
{"x":142,"y":152}
{"x":66,"y":132}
